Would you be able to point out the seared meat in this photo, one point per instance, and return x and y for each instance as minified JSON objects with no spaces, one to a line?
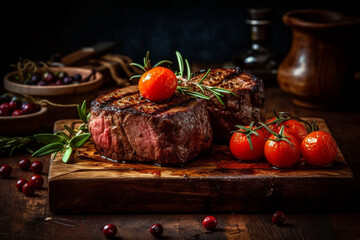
{"x":242,"y":109}
{"x":127,"y":127}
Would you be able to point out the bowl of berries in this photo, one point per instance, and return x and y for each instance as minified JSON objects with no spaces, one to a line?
{"x":19,"y":115}
{"x":61,"y":86}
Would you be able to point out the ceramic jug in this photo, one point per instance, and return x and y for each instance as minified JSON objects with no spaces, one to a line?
{"x":318,"y":63}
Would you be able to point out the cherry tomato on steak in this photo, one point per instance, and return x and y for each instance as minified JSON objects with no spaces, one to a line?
{"x":319,"y":148}
{"x":280,"y":153}
{"x":240,"y":146}
{"x":157,"y":84}
{"x":292,"y":127}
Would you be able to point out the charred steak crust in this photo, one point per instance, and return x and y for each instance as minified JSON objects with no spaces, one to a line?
{"x":242,"y":109}
{"x":127,"y":127}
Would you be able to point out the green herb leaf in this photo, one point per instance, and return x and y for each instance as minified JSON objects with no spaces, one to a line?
{"x":47,"y":138}
{"x":180,"y":62}
{"x":139,"y":66}
{"x":205,"y":75}
{"x":79,"y":140}
{"x":63,"y":135}
{"x":135,"y":76}
{"x":67,"y":154}
{"x":47,"y":149}
{"x":162,"y":62}
{"x":188,"y":70}
{"x":71,"y":132}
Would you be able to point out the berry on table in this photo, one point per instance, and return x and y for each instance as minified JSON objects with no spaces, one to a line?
{"x":278,"y":218}
{"x":36,"y":167}
{"x":24,"y":164}
{"x":109,"y":230}
{"x":37,"y":180}
{"x":210,"y":222}
{"x":156,"y":230}
{"x":28,"y":189}
{"x":20,"y":183}
{"x":5,"y":171}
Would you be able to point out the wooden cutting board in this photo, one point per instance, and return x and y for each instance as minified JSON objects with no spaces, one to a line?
{"x":213,"y":182}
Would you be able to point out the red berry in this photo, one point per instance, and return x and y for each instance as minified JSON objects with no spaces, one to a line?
{"x":28,"y":189}
{"x":156,"y":230}
{"x":209,"y":222}
{"x":5,"y":170}
{"x":5,"y":105}
{"x":4,"y":112}
{"x":36,"y":167}
{"x":17,"y":112}
{"x":13,"y":105}
{"x":278,"y":218}
{"x":37,"y":180}
{"x":24,"y":164}
{"x":49,"y":77}
{"x":109,"y":230}
{"x":20,"y":183}
{"x":28,"y":108}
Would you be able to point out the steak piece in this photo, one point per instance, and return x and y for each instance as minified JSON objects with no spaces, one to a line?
{"x":127,"y":127}
{"x":242,"y":109}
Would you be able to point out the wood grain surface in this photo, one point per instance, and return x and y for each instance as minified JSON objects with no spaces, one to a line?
{"x":214,"y":181}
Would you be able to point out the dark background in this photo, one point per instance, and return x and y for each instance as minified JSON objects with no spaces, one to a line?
{"x":203,"y":31}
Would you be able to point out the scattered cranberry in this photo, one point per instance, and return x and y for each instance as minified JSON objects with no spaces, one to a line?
{"x":28,"y":189}
{"x":156,"y":230}
{"x":28,"y":108}
{"x":36,"y":167}
{"x":4,"y":112}
{"x":109,"y":230}
{"x":37,"y":180}
{"x":5,"y":170}
{"x":278,"y":218}
{"x":20,"y":183}
{"x":210,"y":222}
{"x":17,"y":112}
{"x":24,"y":164}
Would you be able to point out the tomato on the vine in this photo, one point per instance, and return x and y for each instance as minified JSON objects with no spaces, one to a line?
{"x":282,"y":150}
{"x":247,"y":144}
{"x":157,"y":84}
{"x":292,"y":127}
{"x":319,"y":148}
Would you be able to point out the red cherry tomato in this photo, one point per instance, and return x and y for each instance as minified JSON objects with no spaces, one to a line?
{"x":292,"y":127}
{"x":240,"y":146}
{"x":319,"y":148}
{"x":158,"y":84}
{"x":280,"y":153}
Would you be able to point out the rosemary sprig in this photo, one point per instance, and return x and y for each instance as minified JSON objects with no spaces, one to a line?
{"x":10,"y":145}
{"x":64,"y":143}
{"x":147,"y":65}
{"x":216,"y":91}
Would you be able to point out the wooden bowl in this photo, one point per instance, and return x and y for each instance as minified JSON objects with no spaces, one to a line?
{"x":60,"y":90}
{"x":29,"y":123}
{"x":61,"y":95}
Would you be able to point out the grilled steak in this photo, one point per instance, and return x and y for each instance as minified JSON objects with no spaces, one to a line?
{"x":242,"y":109}
{"x":127,"y":127}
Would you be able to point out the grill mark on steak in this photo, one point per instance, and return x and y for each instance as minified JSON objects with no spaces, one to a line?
{"x":136,"y":104}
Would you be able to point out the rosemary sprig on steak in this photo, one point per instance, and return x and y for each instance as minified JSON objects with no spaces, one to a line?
{"x":62,"y":142}
{"x":186,"y":87}
{"x":147,"y":64}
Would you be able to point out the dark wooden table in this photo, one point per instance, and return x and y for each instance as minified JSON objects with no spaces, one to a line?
{"x":24,"y":217}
